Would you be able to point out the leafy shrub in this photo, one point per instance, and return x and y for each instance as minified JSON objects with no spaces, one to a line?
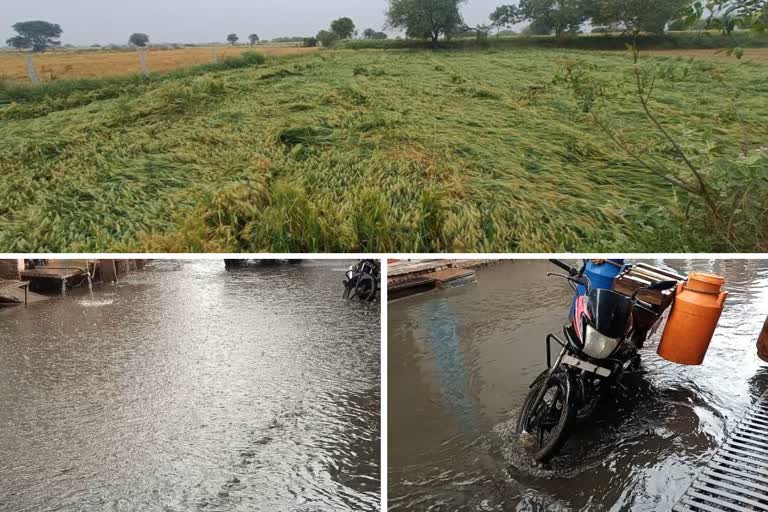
{"x":253,"y":58}
{"x":728,"y":196}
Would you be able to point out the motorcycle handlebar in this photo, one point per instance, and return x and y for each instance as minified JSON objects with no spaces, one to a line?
{"x":571,"y":271}
{"x":582,"y":281}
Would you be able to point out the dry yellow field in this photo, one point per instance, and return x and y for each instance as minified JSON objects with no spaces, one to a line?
{"x":63,"y":64}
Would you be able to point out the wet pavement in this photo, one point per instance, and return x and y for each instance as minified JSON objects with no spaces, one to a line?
{"x":188,"y":387}
{"x":461,"y":360}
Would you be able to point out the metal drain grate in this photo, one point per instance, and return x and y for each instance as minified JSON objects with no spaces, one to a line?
{"x":736,"y":478}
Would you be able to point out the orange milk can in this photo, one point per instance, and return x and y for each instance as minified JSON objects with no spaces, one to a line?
{"x":762,"y":343}
{"x":693,"y":319}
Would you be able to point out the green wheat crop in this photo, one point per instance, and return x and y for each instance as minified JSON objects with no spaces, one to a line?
{"x":364,"y":151}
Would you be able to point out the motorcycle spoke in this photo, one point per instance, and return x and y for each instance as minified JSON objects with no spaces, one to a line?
{"x":553,"y":406}
{"x":547,"y":416}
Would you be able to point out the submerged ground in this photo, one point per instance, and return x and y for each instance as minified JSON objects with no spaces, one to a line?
{"x":187,"y":387}
{"x":368,"y":151}
{"x":460,"y":361}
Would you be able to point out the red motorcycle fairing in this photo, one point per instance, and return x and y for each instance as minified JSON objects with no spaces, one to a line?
{"x":580,"y":312}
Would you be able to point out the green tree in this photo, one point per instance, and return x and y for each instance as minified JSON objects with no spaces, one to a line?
{"x":426,"y":19}
{"x":327,"y":38}
{"x":38,"y":35}
{"x":726,"y":24}
{"x":637,"y":15}
{"x":558,"y":16}
{"x":232,"y":38}
{"x":506,"y":15}
{"x":680,"y":25}
{"x":538,"y":27}
{"x":253,"y":38}
{"x":343,"y":28}
{"x":752,"y":14}
{"x":758,"y":21}
{"x":369,"y":33}
{"x":140,"y":40}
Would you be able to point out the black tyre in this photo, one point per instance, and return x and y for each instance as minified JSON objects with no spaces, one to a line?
{"x":362,"y":287}
{"x":353,"y":289}
{"x":549,"y":425}
{"x":366,"y":289}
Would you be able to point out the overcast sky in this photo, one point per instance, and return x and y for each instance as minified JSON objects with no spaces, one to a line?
{"x":87,"y":22}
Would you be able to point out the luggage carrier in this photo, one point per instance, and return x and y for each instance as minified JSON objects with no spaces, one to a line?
{"x":736,"y":478}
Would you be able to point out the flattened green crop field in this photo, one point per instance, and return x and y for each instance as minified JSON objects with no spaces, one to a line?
{"x":386,"y":151}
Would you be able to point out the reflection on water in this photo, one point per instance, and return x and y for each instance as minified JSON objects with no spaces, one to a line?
{"x":188,"y":387}
{"x":461,"y":360}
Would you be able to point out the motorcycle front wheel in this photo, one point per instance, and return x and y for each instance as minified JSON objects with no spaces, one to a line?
{"x":548,"y":424}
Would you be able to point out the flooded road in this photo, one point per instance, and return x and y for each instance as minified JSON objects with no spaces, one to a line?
{"x":461,"y":360}
{"x":188,"y":387}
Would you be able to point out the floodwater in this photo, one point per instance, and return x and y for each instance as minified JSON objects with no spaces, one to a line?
{"x":461,"y":360}
{"x":187,"y":387}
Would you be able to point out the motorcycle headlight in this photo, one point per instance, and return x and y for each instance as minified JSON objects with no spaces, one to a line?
{"x":598,"y":345}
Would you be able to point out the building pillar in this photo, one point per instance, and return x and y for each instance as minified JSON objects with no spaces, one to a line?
{"x":107,"y":271}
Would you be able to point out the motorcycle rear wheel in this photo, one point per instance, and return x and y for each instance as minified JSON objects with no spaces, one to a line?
{"x":362,"y":288}
{"x":366,"y":289}
{"x":550,"y":423}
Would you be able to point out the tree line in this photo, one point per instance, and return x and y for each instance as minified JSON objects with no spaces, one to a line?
{"x":568,"y":16}
{"x":40,"y":36}
{"x":435,"y":19}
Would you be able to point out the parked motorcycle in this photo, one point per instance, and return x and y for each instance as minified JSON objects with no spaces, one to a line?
{"x":362,"y":281}
{"x":600,"y":343}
